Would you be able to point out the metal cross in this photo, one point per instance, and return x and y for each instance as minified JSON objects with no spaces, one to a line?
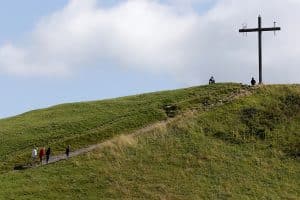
{"x":260,"y":30}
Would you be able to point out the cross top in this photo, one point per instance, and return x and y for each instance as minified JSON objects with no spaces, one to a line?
{"x":260,"y":30}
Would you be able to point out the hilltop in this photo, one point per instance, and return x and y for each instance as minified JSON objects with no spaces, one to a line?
{"x":211,"y":142}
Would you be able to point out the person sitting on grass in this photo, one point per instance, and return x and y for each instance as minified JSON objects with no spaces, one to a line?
{"x":212,"y":80}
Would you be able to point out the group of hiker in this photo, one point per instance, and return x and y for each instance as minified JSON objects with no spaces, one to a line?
{"x":213,"y":81}
{"x":42,"y":153}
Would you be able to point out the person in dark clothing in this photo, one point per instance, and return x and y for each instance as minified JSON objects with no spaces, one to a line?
{"x":253,"y":81}
{"x":212,"y":80}
{"x":48,"y":152}
{"x":68,"y":151}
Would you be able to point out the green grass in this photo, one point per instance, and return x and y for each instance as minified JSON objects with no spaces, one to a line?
{"x":82,"y":124}
{"x":271,"y":115}
{"x":247,"y":148}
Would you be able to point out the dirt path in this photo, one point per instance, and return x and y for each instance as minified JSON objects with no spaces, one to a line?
{"x":57,"y":158}
{"x":90,"y":148}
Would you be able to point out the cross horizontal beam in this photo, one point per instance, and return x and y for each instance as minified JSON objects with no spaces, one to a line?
{"x":259,"y":29}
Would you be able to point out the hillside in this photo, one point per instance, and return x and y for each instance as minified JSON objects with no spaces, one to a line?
{"x":82,"y":124}
{"x":227,"y":141}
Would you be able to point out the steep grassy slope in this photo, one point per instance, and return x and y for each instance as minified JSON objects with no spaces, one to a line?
{"x":271,"y":115}
{"x":82,"y":124}
{"x":247,"y":148}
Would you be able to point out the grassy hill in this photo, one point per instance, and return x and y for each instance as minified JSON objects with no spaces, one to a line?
{"x":228,"y":141}
{"x":82,"y":124}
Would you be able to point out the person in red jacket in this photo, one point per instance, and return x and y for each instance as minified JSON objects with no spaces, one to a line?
{"x":42,"y":154}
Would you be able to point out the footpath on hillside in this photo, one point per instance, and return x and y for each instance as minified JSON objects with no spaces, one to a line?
{"x":90,"y":148}
{"x":57,"y":158}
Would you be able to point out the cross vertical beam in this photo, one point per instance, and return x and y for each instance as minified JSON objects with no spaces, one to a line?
{"x":260,"y":30}
{"x":259,"y":49}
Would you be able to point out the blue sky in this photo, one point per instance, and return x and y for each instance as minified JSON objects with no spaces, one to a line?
{"x":21,"y":94}
{"x":19,"y":17}
{"x":59,"y":51}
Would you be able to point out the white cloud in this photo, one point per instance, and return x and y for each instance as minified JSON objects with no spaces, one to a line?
{"x":161,"y":38}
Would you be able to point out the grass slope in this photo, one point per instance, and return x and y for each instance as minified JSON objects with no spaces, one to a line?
{"x":82,"y":124}
{"x":243,"y":149}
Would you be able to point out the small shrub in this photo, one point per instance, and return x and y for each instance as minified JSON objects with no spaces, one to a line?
{"x":228,"y":137}
{"x":248,"y":114}
{"x":171,"y":110}
{"x":206,"y":101}
{"x":259,"y":122}
{"x":290,"y":104}
{"x":294,"y":150}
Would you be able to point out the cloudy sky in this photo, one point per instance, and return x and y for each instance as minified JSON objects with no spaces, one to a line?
{"x":60,"y":51}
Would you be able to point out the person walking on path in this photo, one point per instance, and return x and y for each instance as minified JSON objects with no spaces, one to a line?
{"x":68,"y":151}
{"x":34,"y":154}
{"x":48,"y":152}
{"x":42,"y":154}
